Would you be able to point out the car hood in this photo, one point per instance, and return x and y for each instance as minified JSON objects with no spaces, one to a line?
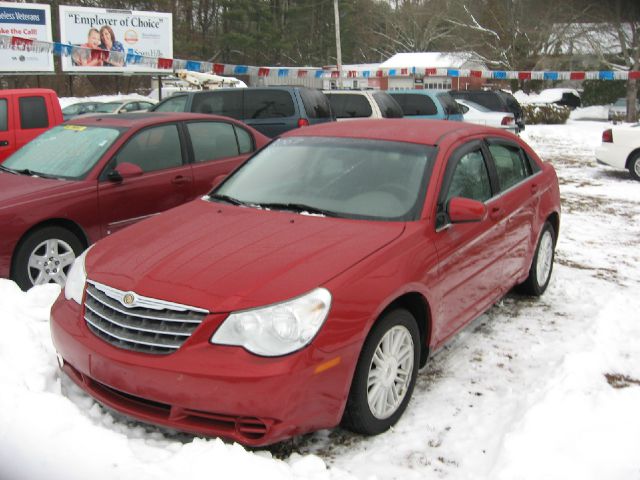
{"x":224,"y":258}
{"x":17,"y":189}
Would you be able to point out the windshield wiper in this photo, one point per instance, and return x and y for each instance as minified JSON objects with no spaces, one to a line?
{"x":227,"y":198}
{"x":31,"y":173}
{"x":7,"y":169}
{"x":298,"y":207}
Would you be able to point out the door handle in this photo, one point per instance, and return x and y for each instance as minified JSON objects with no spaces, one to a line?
{"x":4,"y":143}
{"x":180,"y":180}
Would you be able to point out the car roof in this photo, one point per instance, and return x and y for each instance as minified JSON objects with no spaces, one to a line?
{"x":129,"y":120}
{"x":425,"y":132}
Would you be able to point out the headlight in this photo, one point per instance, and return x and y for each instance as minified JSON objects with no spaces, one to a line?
{"x":276,"y":329}
{"x":76,"y":279}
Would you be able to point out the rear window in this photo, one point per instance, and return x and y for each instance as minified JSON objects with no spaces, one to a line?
{"x":415,"y":104}
{"x":222,"y":102}
{"x":388,"y":106}
{"x":268,"y":103}
{"x":315,"y":103}
{"x":350,"y":105}
{"x":491,"y":100}
{"x":4,"y":121}
{"x":33,"y":113}
{"x":176,"y":103}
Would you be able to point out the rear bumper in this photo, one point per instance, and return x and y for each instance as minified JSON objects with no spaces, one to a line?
{"x":612,"y":155}
{"x":207,"y":389}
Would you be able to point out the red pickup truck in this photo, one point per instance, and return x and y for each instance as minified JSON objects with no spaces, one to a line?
{"x":24,"y":114}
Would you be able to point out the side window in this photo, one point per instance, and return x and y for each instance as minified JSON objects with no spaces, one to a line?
{"x":4,"y":119}
{"x":33,"y":113}
{"x":388,"y":106}
{"x":155,"y":148}
{"x":245,"y":141}
{"x":268,"y":104}
{"x":415,"y":104}
{"x":131,"y":107}
{"x":212,"y":140}
{"x":470,"y":178}
{"x":173,"y":104}
{"x":350,"y":105}
{"x":511,"y":166}
{"x":464,"y":108}
{"x":315,"y":103}
{"x":222,"y":102}
{"x":449,"y":104}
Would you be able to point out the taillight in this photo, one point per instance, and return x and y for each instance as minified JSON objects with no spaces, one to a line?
{"x":607,"y":136}
{"x":303,"y":122}
{"x":506,"y":121}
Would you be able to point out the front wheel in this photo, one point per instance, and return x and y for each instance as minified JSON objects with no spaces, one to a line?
{"x":45,"y":256}
{"x":385,"y":374}
{"x":542,"y":264}
{"x":634,"y":166}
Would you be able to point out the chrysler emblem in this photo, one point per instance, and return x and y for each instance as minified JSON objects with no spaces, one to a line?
{"x":128,"y":299}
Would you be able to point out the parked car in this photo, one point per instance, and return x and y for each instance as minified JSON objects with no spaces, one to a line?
{"x":125,"y":106}
{"x":476,"y":113}
{"x":496,"y":100}
{"x":24,"y":114}
{"x":270,"y":110}
{"x":308,"y":288}
{"x":350,"y":104}
{"x":434,"y":104}
{"x":95,"y":175}
{"x":620,"y":149}
{"x":618,"y":109}
{"x":77,"y":109}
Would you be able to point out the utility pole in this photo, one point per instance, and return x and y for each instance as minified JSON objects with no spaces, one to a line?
{"x":338,"y":47}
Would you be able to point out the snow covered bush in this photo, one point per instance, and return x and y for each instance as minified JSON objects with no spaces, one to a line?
{"x":549,"y":114}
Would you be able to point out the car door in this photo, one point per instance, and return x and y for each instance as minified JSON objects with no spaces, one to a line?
{"x":7,"y":132}
{"x":520,"y":194}
{"x":469,"y":263}
{"x":216,"y":149}
{"x":166,"y":180}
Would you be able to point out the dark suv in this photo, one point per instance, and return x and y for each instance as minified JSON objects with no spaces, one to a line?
{"x":270,"y":110}
{"x":496,"y":100}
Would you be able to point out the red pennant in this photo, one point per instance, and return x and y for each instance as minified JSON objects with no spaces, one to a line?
{"x":20,"y":42}
{"x":302,"y":73}
{"x":524,"y":75}
{"x":334,"y":74}
{"x":429,"y":71}
{"x":577,"y":75}
{"x":379,"y":73}
{"x":352,"y":74}
{"x":404,"y":71}
{"x":263,"y":72}
{"x":100,"y":55}
{"x":218,"y":68}
{"x":634,"y":74}
{"x":165,"y":63}
{"x":475,"y":73}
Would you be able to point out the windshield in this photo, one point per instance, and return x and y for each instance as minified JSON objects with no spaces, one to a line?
{"x":108,"y":107}
{"x":343,"y":177}
{"x":67,"y":151}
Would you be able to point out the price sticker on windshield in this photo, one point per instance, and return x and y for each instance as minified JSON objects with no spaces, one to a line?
{"x":75,"y":128}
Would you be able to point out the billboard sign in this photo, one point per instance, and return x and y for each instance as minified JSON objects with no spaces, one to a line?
{"x":25,"y":20}
{"x":110,"y":41}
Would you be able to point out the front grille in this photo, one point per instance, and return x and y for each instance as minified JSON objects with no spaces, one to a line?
{"x":148,"y":325}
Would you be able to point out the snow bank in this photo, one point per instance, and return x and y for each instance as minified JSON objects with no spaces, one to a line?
{"x":595,"y":112}
{"x":550,"y":95}
{"x":66,"y":101}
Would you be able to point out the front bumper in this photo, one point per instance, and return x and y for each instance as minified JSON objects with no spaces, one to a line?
{"x":208,"y":389}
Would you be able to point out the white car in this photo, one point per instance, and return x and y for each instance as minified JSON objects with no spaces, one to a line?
{"x":621,"y":149}
{"x":476,"y":113}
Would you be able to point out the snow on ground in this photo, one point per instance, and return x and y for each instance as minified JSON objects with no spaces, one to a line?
{"x":595,"y":112}
{"x":66,"y":101}
{"x":543,"y":388}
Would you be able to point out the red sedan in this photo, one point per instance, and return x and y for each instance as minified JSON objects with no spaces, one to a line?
{"x":308,"y":288}
{"x":86,"y":179}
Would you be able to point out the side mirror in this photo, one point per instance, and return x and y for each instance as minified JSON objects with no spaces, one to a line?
{"x":125,"y":170}
{"x":218,"y":180}
{"x":465,"y":210}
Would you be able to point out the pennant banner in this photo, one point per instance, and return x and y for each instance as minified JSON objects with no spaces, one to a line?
{"x":9,"y":42}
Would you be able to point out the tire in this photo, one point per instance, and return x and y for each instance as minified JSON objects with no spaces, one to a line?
{"x":363,"y":414}
{"x":542,"y":263}
{"x":634,"y":166}
{"x":32,"y":267}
